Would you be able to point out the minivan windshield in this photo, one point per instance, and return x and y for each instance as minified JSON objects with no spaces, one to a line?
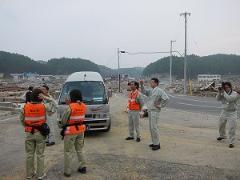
{"x":93,"y":92}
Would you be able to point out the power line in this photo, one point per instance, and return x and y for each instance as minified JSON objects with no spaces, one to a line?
{"x":156,"y":52}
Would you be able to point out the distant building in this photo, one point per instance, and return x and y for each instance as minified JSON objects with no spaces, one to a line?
{"x":17,"y":77}
{"x":31,"y":76}
{"x":25,"y":76}
{"x":61,"y":77}
{"x":47,"y":77}
{"x":209,"y":77}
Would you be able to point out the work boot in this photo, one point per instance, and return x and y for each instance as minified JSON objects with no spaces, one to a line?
{"x":30,"y":177}
{"x":138,"y":139}
{"x":220,"y":138}
{"x":231,"y":146}
{"x":67,"y":175}
{"x":156,"y":147}
{"x":82,"y":170}
{"x":50,"y":143}
{"x":129,"y":138}
{"x":42,"y":177}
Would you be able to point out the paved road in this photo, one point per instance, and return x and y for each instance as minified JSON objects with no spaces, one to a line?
{"x":194,"y":104}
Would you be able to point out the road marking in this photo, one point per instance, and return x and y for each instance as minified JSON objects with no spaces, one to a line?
{"x":198,"y":105}
{"x":189,"y":99}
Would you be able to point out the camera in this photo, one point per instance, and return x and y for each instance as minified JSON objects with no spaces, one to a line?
{"x":223,"y":84}
{"x":222,"y":87}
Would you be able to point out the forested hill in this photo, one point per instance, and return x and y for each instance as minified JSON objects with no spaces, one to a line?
{"x":213,"y":64}
{"x":15,"y":63}
{"x":217,"y":64}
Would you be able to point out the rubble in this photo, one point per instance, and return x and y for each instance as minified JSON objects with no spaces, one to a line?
{"x":12,"y":93}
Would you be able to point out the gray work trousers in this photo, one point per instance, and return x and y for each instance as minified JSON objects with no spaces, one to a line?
{"x":51,"y":124}
{"x":133,"y":123}
{"x":153,"y":125}
{"x":34,"y":146}
{"x":231,"y":118}
{"x":72,"y":144}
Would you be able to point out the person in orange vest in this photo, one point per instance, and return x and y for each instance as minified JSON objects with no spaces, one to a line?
{"x":32,"y":117}
{"x":135,"y":103}
{"x":72,"y":123}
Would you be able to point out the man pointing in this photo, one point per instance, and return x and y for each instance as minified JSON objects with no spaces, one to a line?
{"x":156,"y":100}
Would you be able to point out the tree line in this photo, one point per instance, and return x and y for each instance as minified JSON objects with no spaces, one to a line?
{"x":213,"y":64}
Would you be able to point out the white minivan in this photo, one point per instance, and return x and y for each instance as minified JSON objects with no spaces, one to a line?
{"x":94,"y":95}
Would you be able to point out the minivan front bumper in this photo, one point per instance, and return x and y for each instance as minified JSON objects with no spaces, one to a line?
{"x":97,"y":124}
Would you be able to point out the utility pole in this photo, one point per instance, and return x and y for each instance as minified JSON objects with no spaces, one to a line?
{"x":185,"y":14}
{"x":170,"y":68}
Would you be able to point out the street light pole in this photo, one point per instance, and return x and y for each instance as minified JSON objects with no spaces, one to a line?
{"x":170,"y":68}
{"x":119,"y":76}
{"x":185,"y":14}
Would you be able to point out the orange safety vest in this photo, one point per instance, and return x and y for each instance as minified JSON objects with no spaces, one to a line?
{"x":132,"y":103}
{"x":34,"y":116}
{"x":75,"y":123}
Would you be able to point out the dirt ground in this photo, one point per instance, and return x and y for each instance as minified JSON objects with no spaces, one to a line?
{"x":189,"y":150}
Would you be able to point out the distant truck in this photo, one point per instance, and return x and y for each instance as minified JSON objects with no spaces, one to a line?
{"x":95,"y":96}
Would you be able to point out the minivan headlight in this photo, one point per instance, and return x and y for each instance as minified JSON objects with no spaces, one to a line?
{"x":105,"y":115}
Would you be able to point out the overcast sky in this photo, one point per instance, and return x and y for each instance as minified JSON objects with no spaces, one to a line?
{"x":94,"y":29}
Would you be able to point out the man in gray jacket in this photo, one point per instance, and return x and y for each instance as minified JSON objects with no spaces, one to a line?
{"x":48,"y":99}
{"x":156,"y":100}
{"x":229,"y":99}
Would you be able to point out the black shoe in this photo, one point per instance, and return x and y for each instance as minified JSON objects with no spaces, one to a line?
{"x":151,"y":145}
{"x":50,"y":143}
{"x":220,"y":138}
{"x":129,"y":138}
{"x":82,"y":170}
{"x":138,"y":139}
{"x":156,"y":147}
{"x":231,"y":146}
{"x":67,"y":175}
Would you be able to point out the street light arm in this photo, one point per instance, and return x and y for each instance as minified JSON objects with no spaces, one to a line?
{"x":185,"y":14}
{"x":123,"y":52}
